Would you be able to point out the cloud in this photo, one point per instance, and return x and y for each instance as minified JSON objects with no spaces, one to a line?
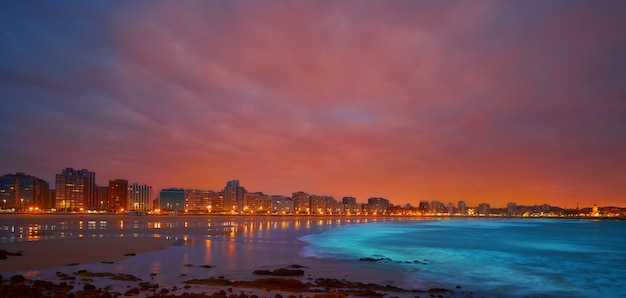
{"x":409,"y":100}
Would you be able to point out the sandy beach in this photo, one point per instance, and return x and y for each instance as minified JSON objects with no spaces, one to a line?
{"x":187,"y":254}
{"x":43,"y":254}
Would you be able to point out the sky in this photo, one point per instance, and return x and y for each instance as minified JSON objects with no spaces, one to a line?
{"x":481,"y":101}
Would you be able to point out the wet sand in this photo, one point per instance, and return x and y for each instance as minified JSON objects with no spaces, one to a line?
{"x":187,"y":254}
{"x":43,"y":254}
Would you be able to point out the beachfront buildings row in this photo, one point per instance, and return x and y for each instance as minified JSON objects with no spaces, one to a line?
{"x":234,"y":198}
{"x":75,"y":191}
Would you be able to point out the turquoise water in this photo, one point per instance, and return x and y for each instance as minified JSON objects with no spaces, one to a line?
{"x":490,"y":257}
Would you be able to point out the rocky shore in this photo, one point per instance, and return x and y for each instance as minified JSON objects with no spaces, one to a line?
{"x":280,"y":283}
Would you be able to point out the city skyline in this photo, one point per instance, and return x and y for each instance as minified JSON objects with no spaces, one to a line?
{"x":119,"y":195}
{"x":495,"y":101}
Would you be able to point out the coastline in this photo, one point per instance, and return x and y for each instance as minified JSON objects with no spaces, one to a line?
{"x":219,"y":253}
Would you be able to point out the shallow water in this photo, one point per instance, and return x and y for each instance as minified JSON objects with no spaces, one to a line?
{"x":490,"y":257}
{"x":234,"y":246}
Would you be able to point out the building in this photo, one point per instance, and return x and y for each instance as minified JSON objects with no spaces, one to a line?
{"x":331,"y":205}
{"x":377,"y":205}
{"x":511,"y":209}
{"x":436,"y":207}
{"x":23,"y":192}
{"x":75,"y":190}
{"x":450,"y":209}
{"x":282,"y":205}
{"x":462,"y":208}
{"x":118,"y":195}
{"x":197,"y":200}
{"x":52,"y":194}
{"x":102,"y":197}
{"x":139,"y":198}
{"x":257,"y":202}
{"x":349,"y":205}
{"x":317,"y":205}
{"x":215,"y":201}
{"x":301,"y":203}
{"x":234,"y":199}
{"x":424,"y":207}
{"x":172,"y":199}
{"x":483,"y":209}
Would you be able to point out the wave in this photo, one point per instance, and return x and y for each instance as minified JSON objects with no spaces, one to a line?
{"x":534,"y":257}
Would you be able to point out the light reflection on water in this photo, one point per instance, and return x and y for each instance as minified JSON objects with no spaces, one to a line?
{"x":45,"y":227}
{"x":236,"y":244}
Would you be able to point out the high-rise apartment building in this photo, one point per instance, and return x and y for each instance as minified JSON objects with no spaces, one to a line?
{"x":462,"y":208}
{"x":215,"y":201}
{"x":282,"y":204}
{"x":102,"y":197}
{"x":195,"y":200}
{"x":24,"y":192}
{"x":172,"y":199}
{"x":301,"y":203}
{"x":75,"y":190}
{"x":257,"y":202}
{"x":511,"y":209}
{"x":118,"y":195}
{"x":436,"y":207}
{"x":349,"y":205}
{"x":378,"y":205}
{"x":483,"y":209}
{"x":424,"y":207}
{"x":52,"y":194}
{"x":331,"y":205}
{"x":234,"y":199}
{"x":317,"y":205}
{"x":139,"y":197}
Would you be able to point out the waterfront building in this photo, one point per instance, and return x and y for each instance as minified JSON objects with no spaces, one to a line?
{"x":23,"y":192}
{"x":52,"y":193}
{"x":363,"y":208}
{"x":331,"y":205}
{"x":172,"y":199}
{"x":462,"y":208}
{"x":301,"y":202}
{"x":139,"y":198}
{"x":257,"y":202}
{"x":102,"y":197}
{"x":450,"y":209}
{"x":215,"y":201}
{"x":75,"y":190}
{"x":436,"y":207}
{"x":424,"y":207}
{"x":118,"y":195}
{"x":197,"y":200}
{"x":377,"y":205}
{"x":234,"y":199}
{"x":483,"y":209}
{"x":349,"y":205}
{"x":511,"y":209}
{"x":282,"y":204}
{"x":317,"y":205}
{"x":265,"y":203}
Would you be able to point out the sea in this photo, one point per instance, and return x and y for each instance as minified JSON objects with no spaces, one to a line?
{"x":488,"y":257}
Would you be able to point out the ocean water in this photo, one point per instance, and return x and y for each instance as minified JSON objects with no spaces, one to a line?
{"x":489,"y":257}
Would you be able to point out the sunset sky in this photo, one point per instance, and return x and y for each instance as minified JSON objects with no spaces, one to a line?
{"x":482,"y":101}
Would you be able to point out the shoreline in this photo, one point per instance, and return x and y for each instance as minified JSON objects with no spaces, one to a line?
{"x":364,"y":216}
{"x":183,"y":248}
